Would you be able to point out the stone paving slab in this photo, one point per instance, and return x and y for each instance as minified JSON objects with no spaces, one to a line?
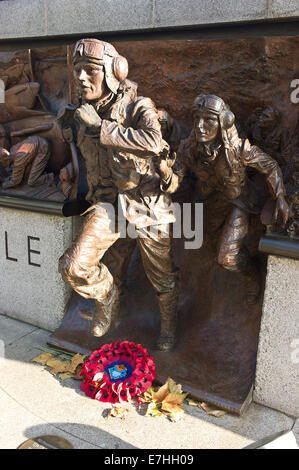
{"x":34,"y":402}
{"x":18,"y":424}
{"x":12,"y":330}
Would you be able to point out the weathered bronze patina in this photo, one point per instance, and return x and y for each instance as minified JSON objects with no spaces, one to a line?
{"x":119,"y":135}
{"x":218,"y":158}
{"x":26,"y":162}
{"x":215,"y":352}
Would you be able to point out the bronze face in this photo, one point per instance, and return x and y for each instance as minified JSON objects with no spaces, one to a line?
{"x":206,"y":126}
{"x":91,"y":80}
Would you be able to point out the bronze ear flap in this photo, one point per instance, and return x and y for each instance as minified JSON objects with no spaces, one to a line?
{"x":120,"y":68}
{"x":227,"y":119}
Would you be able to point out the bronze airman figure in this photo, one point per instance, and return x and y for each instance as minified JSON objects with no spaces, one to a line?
{"x":119,"y":136}
{"x":26,"y":162}
{"x":218,"y":157}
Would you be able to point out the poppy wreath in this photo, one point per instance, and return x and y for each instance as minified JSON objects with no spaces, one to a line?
{"x":117,"y":372}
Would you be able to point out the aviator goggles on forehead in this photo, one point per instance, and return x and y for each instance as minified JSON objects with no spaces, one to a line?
{"x":213,"y":105}
{"x":92,"y":50}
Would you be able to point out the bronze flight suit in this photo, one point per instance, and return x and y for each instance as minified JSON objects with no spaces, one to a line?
{"x":120,"y":169}
{"x":225,"y":183}
{"x":30,"y":158}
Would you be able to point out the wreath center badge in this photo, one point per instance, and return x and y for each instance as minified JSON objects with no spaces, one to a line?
{"x":117,"y":372}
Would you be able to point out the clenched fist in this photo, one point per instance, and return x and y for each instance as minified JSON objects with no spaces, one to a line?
{"x":87,"y":115}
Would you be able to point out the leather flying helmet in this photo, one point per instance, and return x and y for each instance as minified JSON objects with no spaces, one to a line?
{"x":217,"y":106}
{"x":103,"y":53}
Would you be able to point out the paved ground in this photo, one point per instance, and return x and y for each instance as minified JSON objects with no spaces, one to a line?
{"x":34,"y":402}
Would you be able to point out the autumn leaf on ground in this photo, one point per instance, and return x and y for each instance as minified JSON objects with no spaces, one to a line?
{"x":163,"y":391}
{"x":174,"y":411}
{"x":168,"y":399}
{"x":173,"y":387}
{"x":42,"y":358}
{"x":78,"y":371}
{"x":153,"y":410}
{"x":117,"y":412}
{"x":57,"y":366}
{"x":175,"y":398}
{"x":147,"y":396}
{"x":61,"y":362}
{"x":77,"y":360}
{"x":212,"y":411}
{"x":192,"y":402}
{"x":172,"y":404}
{"x":66,"y":375}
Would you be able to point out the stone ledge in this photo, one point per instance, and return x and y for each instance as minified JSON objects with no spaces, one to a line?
{"x":41,"y":18}
{"x":277,"y":371}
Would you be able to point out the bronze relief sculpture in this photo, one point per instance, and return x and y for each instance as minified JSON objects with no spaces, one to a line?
{"x":215,"y":350}
{"x":119,"y":136}
{"x":219,"y":158}
{"x":26,"y":162}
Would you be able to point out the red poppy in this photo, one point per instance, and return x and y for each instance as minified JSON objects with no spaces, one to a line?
{"x":117,"y":372}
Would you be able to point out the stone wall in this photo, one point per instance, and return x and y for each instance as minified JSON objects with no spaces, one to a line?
{"x":277,"y":373}
{"x":31,"y":287}
{"x":43,"y":18}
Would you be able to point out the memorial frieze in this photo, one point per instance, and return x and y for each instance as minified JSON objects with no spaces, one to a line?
{"x":146,"y":123}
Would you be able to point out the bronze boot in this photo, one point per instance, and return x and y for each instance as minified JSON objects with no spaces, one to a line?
{"x":105,"y":314}
{"x":168,"y":315}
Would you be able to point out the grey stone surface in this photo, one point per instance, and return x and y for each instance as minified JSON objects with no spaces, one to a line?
{"x":93,"y":16}
{"x":43,"y":18}
{"x":296,"y":430}
{"x":34,"y":294}
{"x":283,"y":8}
{"x":191,"y":13}
{"x":44,"y":403}
{"x":18,"y":424}
{"x":22,"y":19}
{"x":12,"y":330}
{"x":277,"y":372}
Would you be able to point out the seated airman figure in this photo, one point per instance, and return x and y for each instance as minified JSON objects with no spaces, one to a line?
{"x":26,"y":162}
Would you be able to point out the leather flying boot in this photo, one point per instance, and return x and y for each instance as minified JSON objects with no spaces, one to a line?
{"x":106,"y":314}
{"x":168,"y":315}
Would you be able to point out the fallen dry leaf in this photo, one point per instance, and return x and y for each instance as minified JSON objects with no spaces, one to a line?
{"x":163,"y":391}
{"x":77,"y":375}
{"x":153,"y":410}
{"x":57,"y":366}
{"x":174,"y":411}
{"x":167,"y":400}
{"x":66,"y":375}
{"x":175,"y":398}
{"x":42,"y":358}
{"x":117,"y":412}
{"x":192,"y":402}
{"x":76,"y":361}
{"x":217,"y":413}
{"x":147,"y":396}
{"x":173,"y":387}
{"x":212,"y":411}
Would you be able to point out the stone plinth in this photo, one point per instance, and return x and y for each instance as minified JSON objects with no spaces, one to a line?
{"x":277,"y":373}
{"x":31,"y":289}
